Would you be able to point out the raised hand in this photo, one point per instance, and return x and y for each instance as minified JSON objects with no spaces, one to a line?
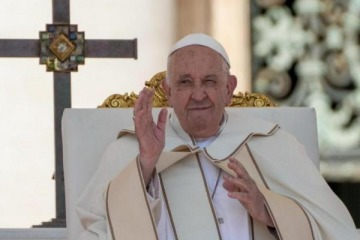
{"x":150,"y":135}
{"x":244,"y":189}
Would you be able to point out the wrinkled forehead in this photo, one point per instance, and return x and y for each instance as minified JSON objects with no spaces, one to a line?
{"x":195,"y":61}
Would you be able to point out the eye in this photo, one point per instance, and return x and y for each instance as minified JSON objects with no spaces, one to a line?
{"x":209,"y":82}
{"x":185,"y":82}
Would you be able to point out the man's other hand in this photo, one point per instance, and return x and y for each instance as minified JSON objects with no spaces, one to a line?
{"x":243,"y":188}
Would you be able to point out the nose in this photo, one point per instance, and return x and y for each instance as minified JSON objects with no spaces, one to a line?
{"x":198,"y":93}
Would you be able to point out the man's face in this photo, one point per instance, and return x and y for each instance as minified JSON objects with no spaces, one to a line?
{"x":198,"y":88}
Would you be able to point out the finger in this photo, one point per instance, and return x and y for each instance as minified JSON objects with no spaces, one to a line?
{"x":230,"y":187}
{"x":241,"y":196}
{"x":140,"y":101}
{"x":142,"y":112}
{"x":148,"y":100}
{"x":238,"y":168}
{"x":235,"y":184}
{"x":143,"y":106}
{"x":245,"y":199}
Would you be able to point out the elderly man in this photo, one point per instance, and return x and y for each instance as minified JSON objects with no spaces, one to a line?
{"x":198,"y":172}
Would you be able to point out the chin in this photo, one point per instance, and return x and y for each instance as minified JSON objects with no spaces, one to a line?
{"x":202,"y":130}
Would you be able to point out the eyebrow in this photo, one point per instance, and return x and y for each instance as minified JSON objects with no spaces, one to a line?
{"x":212,"y":76}
{"x":184,"y":76}
{"x":206,"y":76}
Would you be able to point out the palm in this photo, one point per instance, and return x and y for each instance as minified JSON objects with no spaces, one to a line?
{"x":150,"y":135}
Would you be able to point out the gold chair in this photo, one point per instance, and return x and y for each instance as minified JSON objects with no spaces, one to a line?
{"x":128,"y":100}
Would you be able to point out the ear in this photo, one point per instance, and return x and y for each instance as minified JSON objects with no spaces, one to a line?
{"x":165,"y":86}
{"x":231,"y":85}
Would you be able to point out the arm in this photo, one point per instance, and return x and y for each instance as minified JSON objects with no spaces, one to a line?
{"x":148,"y":145}
{"x":91,"y":206}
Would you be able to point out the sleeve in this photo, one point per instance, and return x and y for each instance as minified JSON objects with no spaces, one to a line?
{"x":93,"y":218}
{"x":292,"y":175}
{"x":153,"y":197}
{"x":91,"y":207}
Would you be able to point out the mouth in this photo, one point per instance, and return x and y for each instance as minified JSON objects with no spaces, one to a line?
{"x":199,"y":108}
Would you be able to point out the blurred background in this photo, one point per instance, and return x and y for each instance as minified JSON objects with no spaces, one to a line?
{"x":297,"y":52}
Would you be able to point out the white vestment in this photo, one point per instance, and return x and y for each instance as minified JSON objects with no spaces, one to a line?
{"x":282,"y":161}
{"x":232,"y":216}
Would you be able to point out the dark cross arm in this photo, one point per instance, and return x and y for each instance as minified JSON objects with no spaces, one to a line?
{"x":19,"y":48}
{"x":111,"y":48}
{"x":93,"y":48}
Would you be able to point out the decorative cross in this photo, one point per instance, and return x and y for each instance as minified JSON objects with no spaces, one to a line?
{"x":56,"y":49}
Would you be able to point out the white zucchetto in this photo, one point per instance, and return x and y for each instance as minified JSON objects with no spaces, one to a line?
{"x":203,"y":40}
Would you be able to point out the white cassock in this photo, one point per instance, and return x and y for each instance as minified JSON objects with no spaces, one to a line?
{"x":232,"y":216}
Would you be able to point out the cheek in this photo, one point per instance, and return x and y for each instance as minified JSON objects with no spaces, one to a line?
{"x":179,"y":99}
{"x":218,"y":97}
{"x":227,"y":96}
